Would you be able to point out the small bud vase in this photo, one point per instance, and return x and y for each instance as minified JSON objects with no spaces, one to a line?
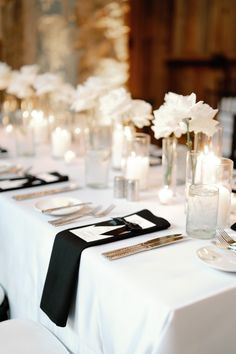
{"x":169,"y":160}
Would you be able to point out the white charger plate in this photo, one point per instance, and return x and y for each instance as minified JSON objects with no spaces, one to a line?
{"x":217,"y":258}
{"x":58,"y":202}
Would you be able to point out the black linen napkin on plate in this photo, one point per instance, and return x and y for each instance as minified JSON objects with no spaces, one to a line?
{"x":62,"y":274}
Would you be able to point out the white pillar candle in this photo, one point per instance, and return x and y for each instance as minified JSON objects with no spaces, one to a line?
{"x":61,"y":141}
{"x":119,"y":136}
{"x":224,"y":206}
{"x":39,"y":125}
{"x":137,"y":167}
{"x":210,"y":163}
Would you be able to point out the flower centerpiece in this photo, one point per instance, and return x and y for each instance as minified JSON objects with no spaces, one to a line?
{"x":126,"y":114}
{"x":177,"y":116}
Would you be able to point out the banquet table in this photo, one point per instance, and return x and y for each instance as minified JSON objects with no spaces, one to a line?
{"x":163,"y":301}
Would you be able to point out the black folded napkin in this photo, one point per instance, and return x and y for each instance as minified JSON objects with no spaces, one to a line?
{"x":62,"y":274}
{"x":29,"y":180}
{"x":233,"y":227}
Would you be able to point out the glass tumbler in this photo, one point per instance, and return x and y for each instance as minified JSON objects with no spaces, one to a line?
{"x":98,"y":156}
{"x":202,"y":211}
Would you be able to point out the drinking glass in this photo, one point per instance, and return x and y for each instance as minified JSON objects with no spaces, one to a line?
{"x":202,"y":211}
{"x":98,"y":156}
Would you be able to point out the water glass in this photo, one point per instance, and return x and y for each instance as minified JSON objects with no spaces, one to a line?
{"x":24,"y":136}
{"x":219,"y":171}
{"x":98,"y":156}
{"x":202,"y":211}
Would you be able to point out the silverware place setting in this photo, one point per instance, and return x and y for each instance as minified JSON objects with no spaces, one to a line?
{"x":143,"y":246}
{"x":86,"y":210}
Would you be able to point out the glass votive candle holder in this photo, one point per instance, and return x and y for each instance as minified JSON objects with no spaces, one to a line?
{"x":224,"y":175}
{"x":98,"y":156}
{"x":136,"y":163}
{"x":202,"y":211}
{"x":61,"y":142}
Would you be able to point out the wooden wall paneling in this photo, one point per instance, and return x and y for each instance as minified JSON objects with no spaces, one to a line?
{"x":29,"y":15}
{"x":12,"y":26}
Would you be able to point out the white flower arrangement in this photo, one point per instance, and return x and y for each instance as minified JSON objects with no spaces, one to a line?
{"x":5,"y":75}
{"x":87,"y":94}
{"x":21,"y":82}
{"x":182,"y":114}
{"x":118,"y":105}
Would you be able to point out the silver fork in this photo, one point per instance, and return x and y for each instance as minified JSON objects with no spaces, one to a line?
{"x":68,"y":219}
{"x":225,"y":241}
{"x":227,"y":238}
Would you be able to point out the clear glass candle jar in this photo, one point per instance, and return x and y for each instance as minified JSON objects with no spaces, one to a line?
{"x":136,"y":162}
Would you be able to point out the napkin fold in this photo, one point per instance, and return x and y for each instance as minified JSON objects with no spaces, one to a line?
{"x":62,"y":275}
{"x":29,"y":181}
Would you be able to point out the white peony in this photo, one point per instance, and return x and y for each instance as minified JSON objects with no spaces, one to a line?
{"x":117,"y":104}
{"x":202,"y":119}
{"x":87,"y":94}
{"x":141,"y":113}
{"x":171,"y":117}
{"x":5,"y":75}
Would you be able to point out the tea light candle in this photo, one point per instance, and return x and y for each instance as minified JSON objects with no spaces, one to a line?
{"x":137,"y":167}
{"x":69,"y":156}
{"x":61,"y":141}
{"x":165,"y":195}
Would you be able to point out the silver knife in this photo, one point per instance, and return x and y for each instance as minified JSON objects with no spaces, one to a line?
{"x":50,"y":210}
{"x":71,"y":187}
{"x":144,"y":246}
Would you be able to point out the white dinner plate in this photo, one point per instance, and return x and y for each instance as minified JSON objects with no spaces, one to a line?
{"x":58,"y":202}
{"x":217,"y":258}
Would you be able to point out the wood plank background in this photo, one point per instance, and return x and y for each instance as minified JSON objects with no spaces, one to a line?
{"x":180,"y":45}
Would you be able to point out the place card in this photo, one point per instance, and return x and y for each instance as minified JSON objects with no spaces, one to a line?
{"x":47,"y":177}
{"x":136,"y":219}
{"x":93,"y":233}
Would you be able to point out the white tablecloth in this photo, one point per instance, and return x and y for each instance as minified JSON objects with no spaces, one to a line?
{"x":163,"y":301}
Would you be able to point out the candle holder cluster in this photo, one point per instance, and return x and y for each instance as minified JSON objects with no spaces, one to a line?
{"x":207,"y":170}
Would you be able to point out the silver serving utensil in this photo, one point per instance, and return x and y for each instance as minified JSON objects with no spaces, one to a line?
{"x":144,"y":246}
{"x":69,"y":188}
{"x":50,"y":210}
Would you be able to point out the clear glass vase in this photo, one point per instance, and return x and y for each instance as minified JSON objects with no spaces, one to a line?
{"x":169,"y":161}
